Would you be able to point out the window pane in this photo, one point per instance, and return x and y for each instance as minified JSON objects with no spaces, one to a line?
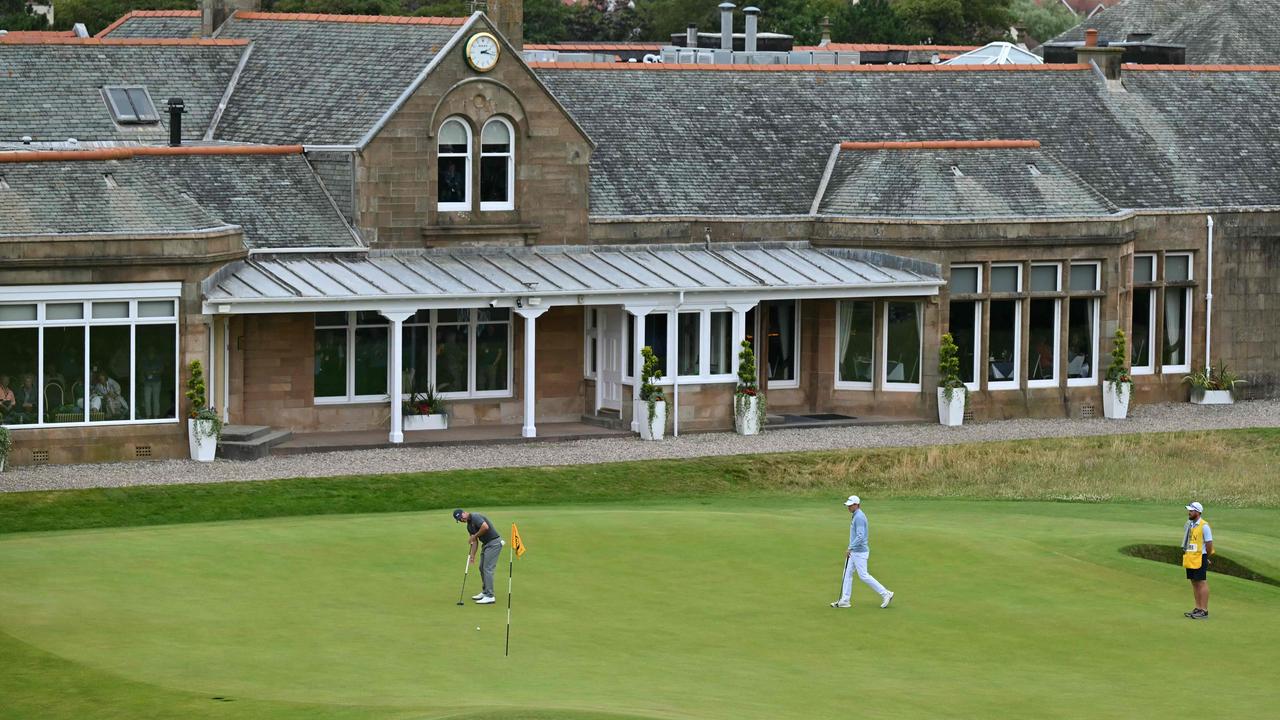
{"x":494,"y":315}
{"x":903,"y":333}
{"x":1044,"y":278}
{"x":688,"y":341}
{"x":1080,"y":346}
{"x":155,"y":308}
{"x":751,"y":331}
{"x":17,"y":313}
{"x":415,"y":356}
{"x":1004,"y":279}
{"x":331,"y":363}
{"x":64,"y":388}
{"x":1177,"y":268}
{"x":964,"y":280}
{"x":451,"y":358}
{"x":627,"y":342}
{"x":110,"y":310}
{"x":1084,"y":278}
{"x":855,"y":333}
{"x":1002,"y":341}
{"x":721,"y":343}
{"x":452,"y":179}
{"x":496,"y":138}
{"x":655,"y":336}
{"x":157,"y":365}
{"x":19,"y":397}
{"x":964,"y":332}
{"x":1175,"y":327}
{"x":1144,"y":269}
{"x":494,"y":181}
{"x":142,"y":105}
{"x":453,"y":316}
{"x":64,"y":311}
{"x":371,"y":361}
{"x":1042,"y":339}
{"x":781,"y":335}
{"x":453,"y":137}
{"x":331,"y":319}
{"x":120,"y":103}
{"x":109,"y":372}
{"x":491,"y":356}
{"x":369,"y":317}
{"x":422,"y":317}
{"x":1140,"y":343}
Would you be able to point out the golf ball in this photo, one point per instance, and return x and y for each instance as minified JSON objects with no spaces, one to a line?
{"x":477,"y":628}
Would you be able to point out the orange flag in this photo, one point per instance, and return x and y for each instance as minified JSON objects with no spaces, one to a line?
{"x":516,"y":543}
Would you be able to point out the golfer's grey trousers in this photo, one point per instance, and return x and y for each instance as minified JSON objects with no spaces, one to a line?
{"x":489,"y":561}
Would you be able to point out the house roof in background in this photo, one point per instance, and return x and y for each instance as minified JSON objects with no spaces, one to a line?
{"x":155,"y":24}
{"x":1214,"y":31}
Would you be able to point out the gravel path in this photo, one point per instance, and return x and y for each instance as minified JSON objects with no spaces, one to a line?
{"x":1145,"y":418}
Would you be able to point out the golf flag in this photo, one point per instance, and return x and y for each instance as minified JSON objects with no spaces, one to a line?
{"x":516,"y":543}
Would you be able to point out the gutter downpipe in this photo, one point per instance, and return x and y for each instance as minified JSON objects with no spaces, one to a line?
{"x":226,"y":368}
{"x":1208,"y":299}
{"x":675,"y":376}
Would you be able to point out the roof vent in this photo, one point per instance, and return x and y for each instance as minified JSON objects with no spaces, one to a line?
{"x":4,"y":185}
{"x":26,"y":139}
{"x":131,"y":105}
{"x":956,"y":171}
{"x":1035,"y":171}
{"x":111,"y":181}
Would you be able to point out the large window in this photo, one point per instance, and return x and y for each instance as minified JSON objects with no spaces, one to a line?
{"x":351,"y":357}
{"x":453,"y":166}
{"x":1004,"y":332}
{"x":497,"y":166}
{"x":965,"y":320}
{"x":903,"y":329}
{"x":698,"y":342}
{"x":1043,"y":326}
{"x":779,"y":323}
{"x":105,"y":360}
{"x":1143,"y":337}
{"x":1082,"y":325}
{"x":1176,"y":352}
{"x":855,"y":343}
{"x":460,"y":353}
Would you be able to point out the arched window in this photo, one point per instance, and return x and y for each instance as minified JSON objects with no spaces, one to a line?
{"x":453,"y":166}
{"x":497,"y":166}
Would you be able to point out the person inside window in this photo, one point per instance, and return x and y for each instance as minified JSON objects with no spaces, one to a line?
{"x":7,"y":400}
{"x":105,"y":396}
{"x":152,"y":370}
{"x":26,"y":398}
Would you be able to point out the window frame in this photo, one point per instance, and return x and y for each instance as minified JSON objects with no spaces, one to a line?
{"x":761,"y":322}
{"x":1151,"y":286}
{"x":590,"y":335}
{"x":704,"y":376}
{"x":466,"y":204}
{"x":900,"y":386}
{"x":1187,"y":295}
{"x":1095,"y":303}
{"x":858,"y":384}
{"x":1014,"y":383}
{"x":473,"y":326}
{"x":510,"y":202}
{"x":350,"y":327}
{"x":133,"y":115}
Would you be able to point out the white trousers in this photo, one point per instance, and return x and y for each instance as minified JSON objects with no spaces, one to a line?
{"x":858,"y":561}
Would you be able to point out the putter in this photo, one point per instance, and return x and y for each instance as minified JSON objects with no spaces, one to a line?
{"x":465,"y":572}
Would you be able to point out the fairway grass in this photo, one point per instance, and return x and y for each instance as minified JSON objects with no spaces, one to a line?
{"x":685,"y":610}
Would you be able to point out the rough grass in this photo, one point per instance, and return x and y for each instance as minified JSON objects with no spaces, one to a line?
{"x":1232,"y":468}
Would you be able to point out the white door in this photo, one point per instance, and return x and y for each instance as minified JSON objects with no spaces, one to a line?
{"x":610,"y":354}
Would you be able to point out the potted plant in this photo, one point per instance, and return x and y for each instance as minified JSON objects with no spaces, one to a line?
{"x":203,"y":424}
{"x":1118,"y":387}
{"x":425,"y":410}
{"x":748,"y":401}
{"x":1211,"y":386}
{"x":952,"y":393}
{"x":654,"y":423}
{"x":6,"y":446}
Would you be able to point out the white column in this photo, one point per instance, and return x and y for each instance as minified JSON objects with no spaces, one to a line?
{"x":397,"y":319}
{"x":739,"y":329}
{"x":226,"y":368}
{"x":530,"y":315}
{"x":637,"y":342}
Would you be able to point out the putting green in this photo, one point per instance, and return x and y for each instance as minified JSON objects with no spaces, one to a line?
{"x":693,"y":610}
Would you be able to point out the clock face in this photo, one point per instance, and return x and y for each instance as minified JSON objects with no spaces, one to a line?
{"x":482,"y":51}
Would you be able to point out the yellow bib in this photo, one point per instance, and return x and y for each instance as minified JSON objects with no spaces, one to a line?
{"x":1193,"y":554}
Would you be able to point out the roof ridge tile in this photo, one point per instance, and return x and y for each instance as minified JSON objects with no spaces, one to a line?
{"x":323,"y":17}
{"x":944,"y":145}
{"x":1047,"y":67}
{"x":127,"y":153}
{"x":98,"y":41}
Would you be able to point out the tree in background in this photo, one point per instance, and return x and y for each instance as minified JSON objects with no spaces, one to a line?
{"x":870,"y":21}
{"x":1042,"y":21}
{"x":97,"y":14}
{"x":955,"y":22}
{"x":14,"y":16}
{"x":544,"y":21}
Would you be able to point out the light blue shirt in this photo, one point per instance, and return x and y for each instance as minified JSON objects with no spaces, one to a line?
{"x":858,"y":533}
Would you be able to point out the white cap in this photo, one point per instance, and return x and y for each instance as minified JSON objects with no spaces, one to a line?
{"x":1196,"y":506}
{"x":853,"y":500}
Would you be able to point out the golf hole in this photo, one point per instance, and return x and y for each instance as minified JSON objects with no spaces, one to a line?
{"x":1172,"y":554}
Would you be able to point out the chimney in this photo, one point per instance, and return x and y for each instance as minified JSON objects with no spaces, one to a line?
{"x":508,"y":17}
{"x":753,"y":17}
{"x":1091,"y":38}
{"x":726,"y":25}
{"x":1107,"y":59}
{"x":213,"y":13}
{"x":691,"y":36}
{"x":826,"y":31}
{"x":176,"y":108}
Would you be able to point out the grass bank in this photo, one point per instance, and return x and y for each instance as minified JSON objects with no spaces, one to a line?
{"x":1235,"y":468}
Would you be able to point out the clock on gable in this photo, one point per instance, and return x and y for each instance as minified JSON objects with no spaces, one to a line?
{"x":482,"y":51}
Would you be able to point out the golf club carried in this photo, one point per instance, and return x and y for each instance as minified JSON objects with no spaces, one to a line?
{"x":465,"y":572}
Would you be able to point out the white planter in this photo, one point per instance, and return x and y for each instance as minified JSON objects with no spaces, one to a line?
{"x":951,"y":413}
{"x":205,"y":445}
{"x":1115,"y":399}
{"x":746,"y":421}
{"x":2,"y":462}
{"x":439,"y":421}
{"x":1211,"y":397}
{"x":652,"y":430}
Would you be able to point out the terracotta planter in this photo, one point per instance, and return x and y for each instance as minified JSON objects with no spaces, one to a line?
{"x":439,"y":421}
{"x":204,"y":444}
{"x":656,"y":428}
{"x":1115,"y":399}
{"x":951,"y":413}
{"x":1212,"y":397}
{"x":746,"y":421}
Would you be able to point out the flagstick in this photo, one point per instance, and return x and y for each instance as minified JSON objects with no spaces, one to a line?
{"x":511,"y":566}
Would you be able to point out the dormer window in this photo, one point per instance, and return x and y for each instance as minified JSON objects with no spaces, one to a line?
{"x":453,"y":166}
{"x":497,"y":166}
{"x":131,"y":105}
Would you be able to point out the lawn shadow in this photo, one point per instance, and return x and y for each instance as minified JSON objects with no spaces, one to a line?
{"x":1172,"y":554}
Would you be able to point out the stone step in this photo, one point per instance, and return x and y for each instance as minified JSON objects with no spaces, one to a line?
{"x":243,"y":433}
{"x":606,"y":419}
{"x":259,"y":447}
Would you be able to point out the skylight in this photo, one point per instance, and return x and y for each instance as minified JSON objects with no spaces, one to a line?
{"x":130,"y":105}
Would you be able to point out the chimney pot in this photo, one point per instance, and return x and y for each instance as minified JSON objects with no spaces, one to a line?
{"x":726,"y":25}
{"x":753,"y":17}
{"x":691,"y":36}
{"x":826,"y":31}
{"x":1091,"y":38}
{"x":176,"y":108}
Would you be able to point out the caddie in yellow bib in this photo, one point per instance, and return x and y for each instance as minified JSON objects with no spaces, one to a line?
{"x":1197,"y":546}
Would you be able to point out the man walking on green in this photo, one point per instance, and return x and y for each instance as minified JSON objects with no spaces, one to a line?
{"x":482,"y":534}
{"x":855,"y":558}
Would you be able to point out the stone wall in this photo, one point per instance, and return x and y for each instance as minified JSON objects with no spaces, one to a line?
{"x":1246,"y":302}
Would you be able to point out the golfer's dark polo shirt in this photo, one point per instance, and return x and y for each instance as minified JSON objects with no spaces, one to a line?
{"x":473,"y":524}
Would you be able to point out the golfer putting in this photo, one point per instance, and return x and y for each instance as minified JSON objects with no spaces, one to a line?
{"x":481,"y":533}
{"x":855,"y":558}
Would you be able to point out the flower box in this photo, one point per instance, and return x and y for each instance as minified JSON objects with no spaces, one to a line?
{"x":202,"y":439}
{"x":1115,"y":399}
{"x":951,"y":412}
{"x":655,"y":428}
{"x":1211,"y":397}
{"x":746,"y":414}
{"x":438,"y":421}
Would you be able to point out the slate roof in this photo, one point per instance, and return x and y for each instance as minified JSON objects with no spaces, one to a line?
{"x":993,"y":182}
{"x":155,"y":24}
{"x":74,"y":197}
{"x":323,"y":82}
{"x":1232,"y":32}
{"x":52,"y":91}
{"x":693,"y":141}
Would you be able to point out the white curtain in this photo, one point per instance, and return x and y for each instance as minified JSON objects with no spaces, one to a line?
{"x":1174,"y":307}
{"x":845,"y":329}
